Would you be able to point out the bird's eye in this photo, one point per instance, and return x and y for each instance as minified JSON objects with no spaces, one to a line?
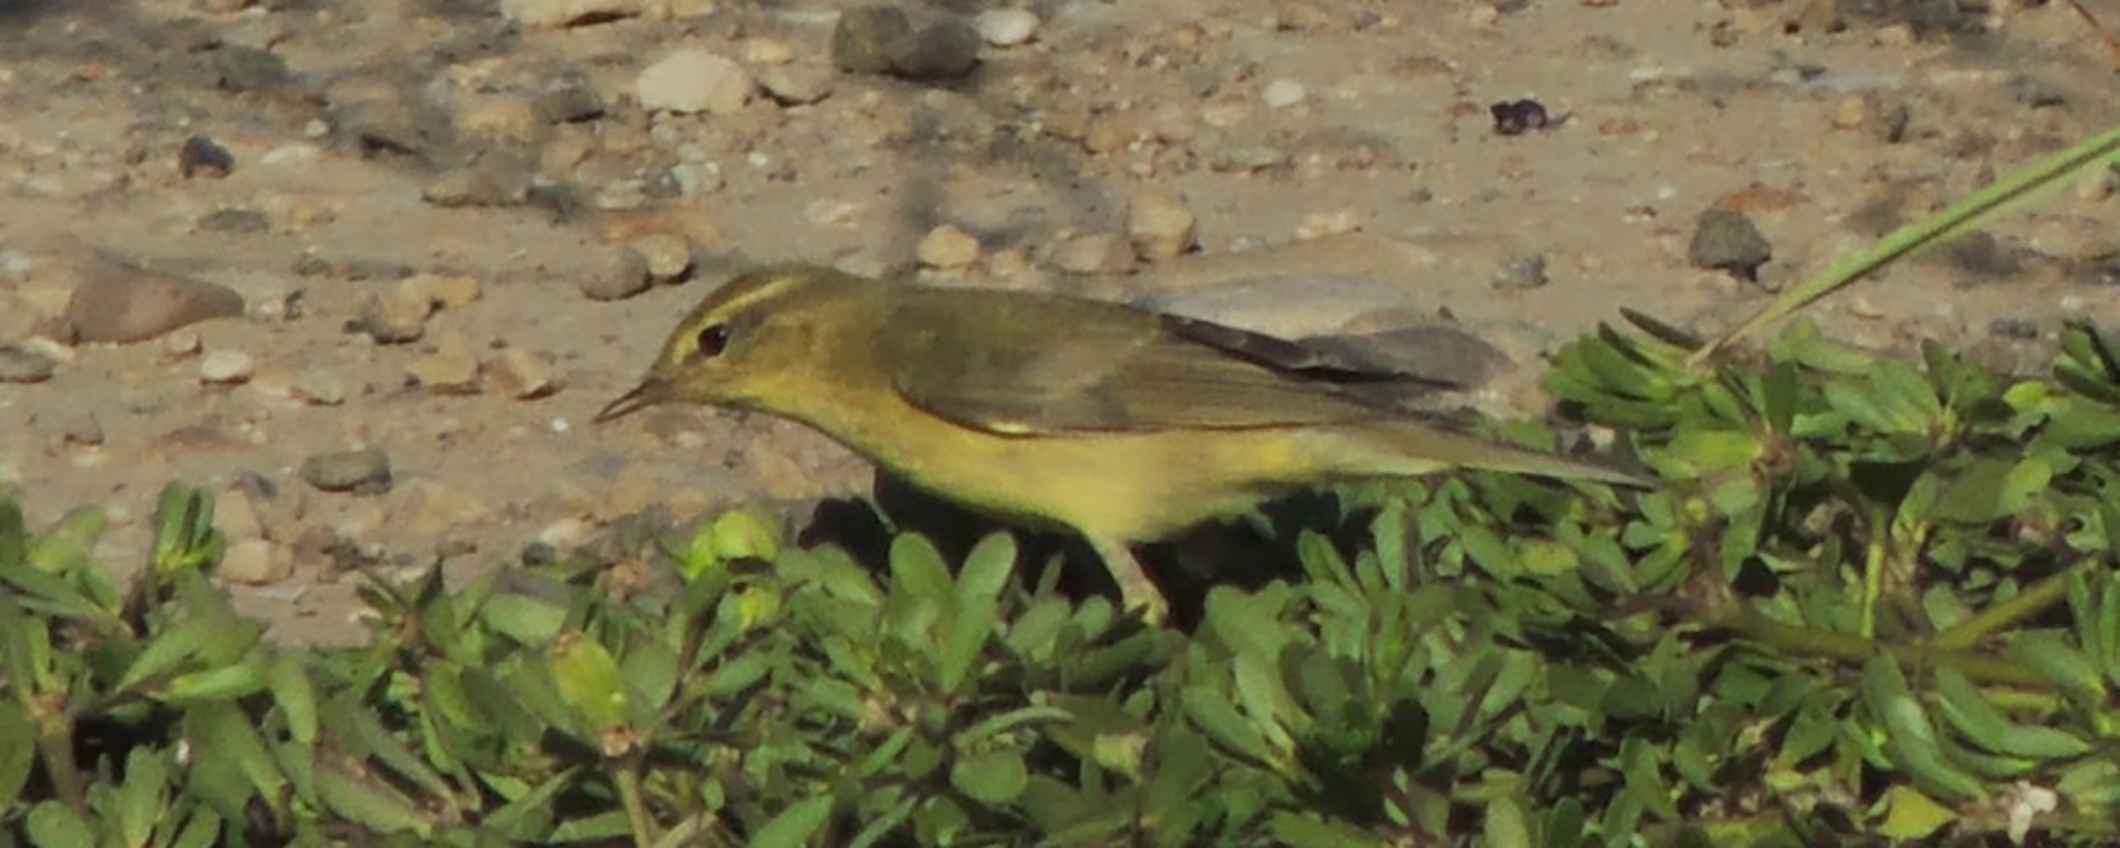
{"x":712,"y":339}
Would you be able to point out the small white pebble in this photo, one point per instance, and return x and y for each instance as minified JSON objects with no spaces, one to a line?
{"x":1283,"y":93}
{"x":561,"y":425}
{"x":226,"y":366}
{"x":1005,"y":27}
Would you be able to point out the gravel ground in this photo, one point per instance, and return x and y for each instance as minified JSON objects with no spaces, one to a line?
{"x":369,"y":268}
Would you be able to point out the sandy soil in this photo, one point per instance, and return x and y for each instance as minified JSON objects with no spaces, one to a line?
{"x":1379,"y":196}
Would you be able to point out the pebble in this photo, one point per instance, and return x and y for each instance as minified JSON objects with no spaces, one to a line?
{"x":1095,"y":253}
{"x":1006,"y":27}
{"x":569,"y":98}
{"x":202,"y":156}
{"x":320,"y":388}
{"x":1728,"y":240}
{"x":365,"y":471}
{"x":427,"y":508}
{"x":394,"y":316}
{"x":1160,"y":227}
{"x":519,"y":374}
{"x":694,"y":80}
{"x":1522,"y":272}
{"x":83,"y":430}
{"x":623,"y":275}
{"x":255,"y":562}
{"x":696,"y":178}
{"x":947,"y":246}
{"x":235,"y":513}
{"x":945,"y":50}
{"x":1282,"y":93}
{"x":237,"y":68}
{"x":796,"y":85}
{"x":2095,"y":186}
{"x":450,"y":369}
{"x":449,"y":291}
{"x":226,"y":366}
{"x":552,"y":14}
{"x":22,"y":366}
{"x":1112,"y":131}
{"x":182,"y":344}
{"x":826,"y":211}
{"x":861,"y":41}
{"x":482,"y":186}
{"x":120,"y":303}
{"x":240,"y":221}
{"x":768,"y":51}
{"x":668,"y":257}
{"x":1317,"y":225}
{"x":495,"y":120}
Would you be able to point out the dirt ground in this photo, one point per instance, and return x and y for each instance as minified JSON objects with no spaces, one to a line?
{"x":1338,"y":156}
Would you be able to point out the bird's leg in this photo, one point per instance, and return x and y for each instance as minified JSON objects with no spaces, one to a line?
{"x":1135,"y":589}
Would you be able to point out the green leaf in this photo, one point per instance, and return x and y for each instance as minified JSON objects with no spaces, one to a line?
{"x":527,"y":620}
{"x":738,"y":674}
{"x":295,"y":695}
{"x":1505,"y":825}
{"x":169,"y":650}
{"x":987,"y":568}
{"x":369,"y":803}
{"x":994,"y":778}
{"x":18,"y":751}
{"x":1912,"y":815}
{"x":1306,"y":830}
{"x":2049,"y":653}
{"x":141,"y":796}
{"x":55,"y":825}
{"x":794,"y":826}
{"x":67,"y":546}
{"x":14,"y":533}
{"x":917,"y":568}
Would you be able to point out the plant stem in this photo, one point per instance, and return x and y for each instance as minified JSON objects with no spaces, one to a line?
{"x":628,"y":778}
{"x":2025,"y":604}
{"x":1855,"y":649}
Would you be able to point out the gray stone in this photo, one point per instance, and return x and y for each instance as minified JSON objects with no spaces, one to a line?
{"x":552,"y":14}
{"x":861,"y":41}
{"x":365,"y":471}
{"x":24,"y":366}
{"x":243,"y":221}
{"x":1728,"y":240}
{"x":694,"y":81}
{"x":202,"y":156}
{"x":1095,"y":253}
{"x":246,"y":68}
{"x":796,"y":85}
{"x":255,"y":562}
{"x":945,"y":50}
{"x":625,"y":274}
{"x":568,"y":99}
{"x":1522,"y":272}
{"x":668,"y":256}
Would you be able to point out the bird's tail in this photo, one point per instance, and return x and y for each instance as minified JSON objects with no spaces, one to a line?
{"x":1406,"y":447}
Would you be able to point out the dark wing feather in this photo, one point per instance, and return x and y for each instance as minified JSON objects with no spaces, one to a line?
{"x":1021,"y":364}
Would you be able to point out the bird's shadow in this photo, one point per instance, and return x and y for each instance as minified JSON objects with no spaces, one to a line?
{"x":1235,"y":553}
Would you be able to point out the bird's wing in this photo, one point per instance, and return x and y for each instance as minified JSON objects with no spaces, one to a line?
{"x":1026,"y":364}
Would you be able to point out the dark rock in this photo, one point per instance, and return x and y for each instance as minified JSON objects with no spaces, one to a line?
{"x":1729,"y":240}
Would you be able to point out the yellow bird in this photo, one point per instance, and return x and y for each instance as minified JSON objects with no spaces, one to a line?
{"x":1123,"y":424}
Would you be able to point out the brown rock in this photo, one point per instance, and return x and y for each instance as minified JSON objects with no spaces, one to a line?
{"x":122,"y":303}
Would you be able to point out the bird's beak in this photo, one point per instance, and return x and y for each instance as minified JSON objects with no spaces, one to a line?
{"x":650,"y":392}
